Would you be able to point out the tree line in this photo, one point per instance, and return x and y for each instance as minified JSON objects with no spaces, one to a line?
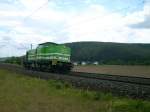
{"x":110,"y":53}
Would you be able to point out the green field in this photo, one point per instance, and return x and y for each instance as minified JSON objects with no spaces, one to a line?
{"x":19,"y":93}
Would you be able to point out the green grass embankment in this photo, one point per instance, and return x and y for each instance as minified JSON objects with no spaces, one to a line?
{"x":19,"y":93}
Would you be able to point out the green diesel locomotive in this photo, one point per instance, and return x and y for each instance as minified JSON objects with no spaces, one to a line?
{"x":49,"y":57}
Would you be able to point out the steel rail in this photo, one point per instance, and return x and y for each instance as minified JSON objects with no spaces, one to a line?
{"x":116,"y":78}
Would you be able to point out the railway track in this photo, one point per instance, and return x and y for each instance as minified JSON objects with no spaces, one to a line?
{"x":136,"y":87}
{"x":118,"y":78}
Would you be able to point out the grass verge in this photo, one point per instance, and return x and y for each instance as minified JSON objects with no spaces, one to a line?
{"x":19,"y":93}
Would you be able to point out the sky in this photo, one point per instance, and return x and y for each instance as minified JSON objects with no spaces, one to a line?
{"x":26,"y":22}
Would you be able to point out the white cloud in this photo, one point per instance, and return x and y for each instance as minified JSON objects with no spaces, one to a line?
{"x":49,"y":15}
{"x":101,"y":25}
{"x":144,"y":17}
{"x":141,"y":35}
{"x":93,"y":23}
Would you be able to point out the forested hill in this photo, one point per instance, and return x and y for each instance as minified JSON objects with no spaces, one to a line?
{"x":110,"y":53}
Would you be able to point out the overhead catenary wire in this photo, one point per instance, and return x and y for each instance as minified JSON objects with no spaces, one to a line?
{"x":75,"y":24}
{"x":26,"y":17}
{"x":36,"y":10}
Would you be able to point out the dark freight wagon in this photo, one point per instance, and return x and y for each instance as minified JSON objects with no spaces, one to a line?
{"x":50,"y":57}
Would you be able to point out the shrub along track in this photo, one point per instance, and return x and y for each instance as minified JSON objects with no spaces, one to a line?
{"x":136,"y":87}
